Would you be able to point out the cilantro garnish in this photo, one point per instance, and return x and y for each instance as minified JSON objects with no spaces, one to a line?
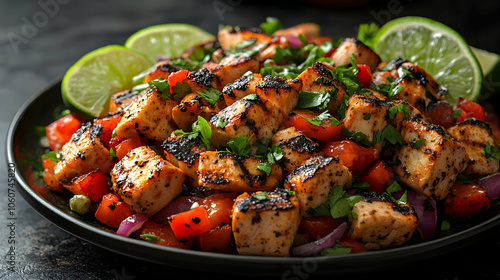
{"x":211,"y":95}
{"x":200,"y":129}
{"x":53,"y":155}
{"x":271,"y":25}
{"x":490,"y":152}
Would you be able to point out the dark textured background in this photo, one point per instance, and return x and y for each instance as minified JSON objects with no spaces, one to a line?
{"x":64,"y":34}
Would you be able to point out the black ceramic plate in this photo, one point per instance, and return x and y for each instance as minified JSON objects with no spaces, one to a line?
{"x":22,"y":143}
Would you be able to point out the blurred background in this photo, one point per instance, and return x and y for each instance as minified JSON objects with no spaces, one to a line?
{"x":40,"y":40}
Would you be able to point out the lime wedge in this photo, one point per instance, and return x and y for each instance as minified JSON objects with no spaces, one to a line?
{"x":437,"y":48}
{"x":488,"y":61}
{"x":88,"y":85}
{"x":167,"y":40}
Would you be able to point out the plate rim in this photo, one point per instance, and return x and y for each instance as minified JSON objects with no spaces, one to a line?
{"x":271,"y":265}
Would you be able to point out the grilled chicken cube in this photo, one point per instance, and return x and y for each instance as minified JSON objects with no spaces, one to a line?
{"x":82,"y":154}
{"x":430,"y":159}
{"x":190,"y":107}
{"x":231,"y":68}
{"x":247,"y":117}
{"x":309,"y":30}
{"x":162,"y":69}
{"x":230,"y":37}
{"x":265,"y":224}
{"x":367,"y":114}
{"x":363,"y":54}
{"x":120,"y":101}
{"x":419,"y":87}
{"x":281,"y":93}
{"x":381,"y":224}
{"x":240,"y":88}
{"x":149,"y":116}
{"x":313,"y":180}
{"x":185,"y":154}
{"x":475,"y":135}
{"x":297,"y":147}
{"x":318,"y":78}
{"x":145,"y":181}
{"x":404,"y":111}
{"x":386,"y":70}
{"x":229,"y":172}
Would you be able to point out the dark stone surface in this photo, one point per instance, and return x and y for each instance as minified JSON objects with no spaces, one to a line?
{"x":39,"y":40}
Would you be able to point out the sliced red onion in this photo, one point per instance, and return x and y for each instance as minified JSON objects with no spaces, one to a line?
{"x":314,"y":247}
{"x":492,"y":185}
{"x":177,"y":206}
{"x":131,"y":224}
{"x":425,"y":209}
{"x":293,"y":40}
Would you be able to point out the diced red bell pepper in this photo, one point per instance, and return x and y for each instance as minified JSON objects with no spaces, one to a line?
{"x":379,"y":175}
{"x":177,"y":77}
{"x":190,"y":223}
{"x":325,"y":131}
{"x":48,"y":175}
{"x":112,"y":210}
{"x":466,"y":199}
{"x":364,"y":75}
{"x":108,"y":125}
{"x":470,"y":109}
{"x":161,"y":234}
{"x":94,"y":185}
{"x":60,"y":131}
{"x":352,"y":155}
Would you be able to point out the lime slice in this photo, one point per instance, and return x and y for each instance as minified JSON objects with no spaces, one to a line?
{"x":167,"y":40}
{"x":440,"y":50}
{"x":488,"y":61}
{"x":88,"y":85}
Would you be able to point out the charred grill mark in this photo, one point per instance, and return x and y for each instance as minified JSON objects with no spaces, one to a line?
{"x":202,"y":76}
{"x":79,"y":132}
{"x":118,"y":99}
{"x":309,"y":169}
{"x":302,"y":144}
{"x":474,"y":121}
{"x":239,"y":84}
{"x":167,"y":67}
{"x":376,"y":101}
{"x":274,"y":82}
{"x":180,"y":148}
{"x":275,"y":201}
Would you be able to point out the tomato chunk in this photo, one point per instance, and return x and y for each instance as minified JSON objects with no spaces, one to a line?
{"x":161,"y":234}
{"x":355,"y":245}
{"x":379,"y":175}
{"x":364,"y":75}
{"x":318,"y":227}
{"x":216,"y":240}
{"x":126,"y":146}
{"x":219,"y":208}
{"x":60,"y":131}
{"x":325,"y":131}
{"x":470,"y":109}
{"x":112,"y":210}
{"x":352,"y":155}
{"x":108,"y":125}
{"x":190,"y":223}
{"x":466,"y":199}
{"x":441,"y":113}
